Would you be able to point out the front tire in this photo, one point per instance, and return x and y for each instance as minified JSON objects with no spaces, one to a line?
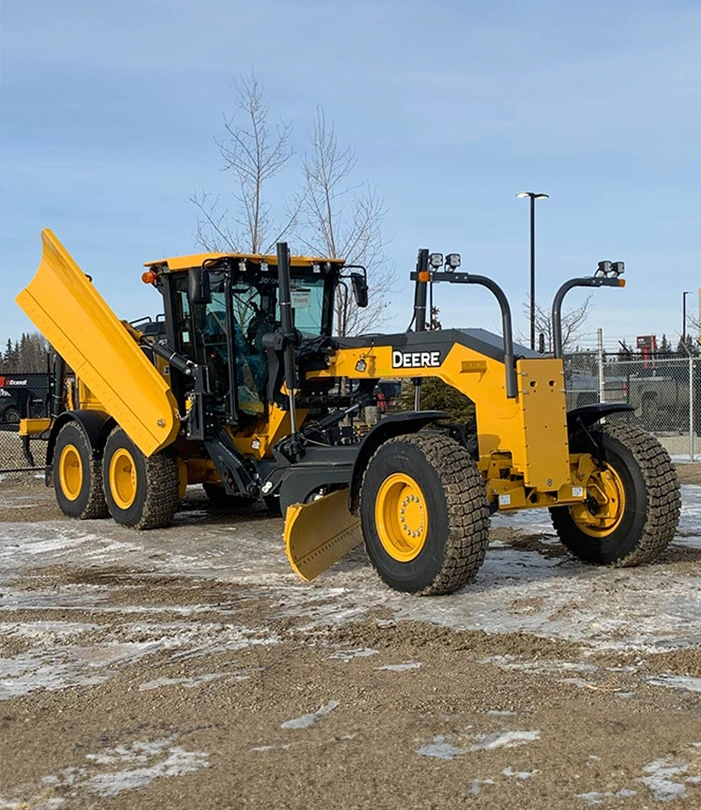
{"x":141,"y":492}
{"x":424,"y":514}
{"x":77,"y":475}
{"x":633,"y":507}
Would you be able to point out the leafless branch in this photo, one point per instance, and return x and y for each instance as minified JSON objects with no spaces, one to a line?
{"x":572,"y":322}
{"x":254,"y":154}
{"x":343,"y":220}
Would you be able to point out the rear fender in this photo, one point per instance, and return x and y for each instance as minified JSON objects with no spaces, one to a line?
{"x":588,"y":415}
{"x":390,"y":426}
{"x":96,"y":425}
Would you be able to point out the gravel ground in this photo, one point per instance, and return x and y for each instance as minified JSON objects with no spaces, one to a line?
{"x":189,"y":668}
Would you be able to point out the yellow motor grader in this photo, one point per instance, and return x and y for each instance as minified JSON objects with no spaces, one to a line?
{"x":241,"y":386}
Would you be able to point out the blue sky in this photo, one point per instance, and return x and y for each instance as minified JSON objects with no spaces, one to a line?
{"x":108,"y":112}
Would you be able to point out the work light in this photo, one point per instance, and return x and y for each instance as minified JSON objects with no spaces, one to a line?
{"x":452,"y":261}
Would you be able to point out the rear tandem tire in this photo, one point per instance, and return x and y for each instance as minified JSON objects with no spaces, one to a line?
{"x":141,"y":492}
{"x":77,"y":475}
{"x":424,"y":514}
{"x":634,"y":503}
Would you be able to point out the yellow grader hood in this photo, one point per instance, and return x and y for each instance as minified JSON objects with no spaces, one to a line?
{"x":63,"y":304}
{"x":319,"y":533}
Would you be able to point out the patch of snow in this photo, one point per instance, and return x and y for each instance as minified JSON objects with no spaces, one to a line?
{"x":503,"y":739}
{"x":349,"y":655}
{"x":178,"y":762}
{"x":440,"y":749}
{"x":306,"y":720}
{"x":594,"y":797}
{"x":580,"y":683}
{"x":676,"y":682}
{"x":188,"y":683}
{"x":400,"y":667}
{"x":518,"y":774}
{"x":47,"y":631}
{"x":171,"y":760}
{"x":660,"y":780}
{"x":54,"y":666}
{"x":510,"y":662}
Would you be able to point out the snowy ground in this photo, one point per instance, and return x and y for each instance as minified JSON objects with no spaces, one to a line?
{"x":656,"y":607}
{"x":208,"y":607}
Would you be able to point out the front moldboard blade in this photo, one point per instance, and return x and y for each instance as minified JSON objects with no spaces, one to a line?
{"x":319,"y":533}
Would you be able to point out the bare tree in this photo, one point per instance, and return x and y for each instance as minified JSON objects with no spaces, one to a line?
{"x":254,"y":153}
{"x":330,"y":216}
{"x":572,"y":322}
{"x":342,"y":220}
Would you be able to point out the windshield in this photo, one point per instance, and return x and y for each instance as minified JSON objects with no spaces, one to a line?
{"x":308,"y":303}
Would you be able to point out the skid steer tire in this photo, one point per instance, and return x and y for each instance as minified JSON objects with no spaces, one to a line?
{"x":77,"y":475}
{"x":141,"y":492}
{"x":424,"y":514}
{"x":642,"y":509}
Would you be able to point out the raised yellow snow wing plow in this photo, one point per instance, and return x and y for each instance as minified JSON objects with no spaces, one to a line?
{"x":63,"y":304}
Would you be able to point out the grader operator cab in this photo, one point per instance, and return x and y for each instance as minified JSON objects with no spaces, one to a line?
{"x":242,"y":387}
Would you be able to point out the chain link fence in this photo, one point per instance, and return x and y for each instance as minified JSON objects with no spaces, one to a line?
{"x":665,"y":393}
{"x":22,"y":396}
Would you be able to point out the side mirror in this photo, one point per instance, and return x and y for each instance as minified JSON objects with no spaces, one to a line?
{"x":360,"y":289}
{"x":198,"y":288}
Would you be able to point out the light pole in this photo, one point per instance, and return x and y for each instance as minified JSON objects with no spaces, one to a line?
{"x":684,"y":294}
{"x":533,"y":196}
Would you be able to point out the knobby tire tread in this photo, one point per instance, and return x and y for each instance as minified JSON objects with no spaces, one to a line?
{"x":96,"y":507}
{"x":162,"y":493}
{"x":663,"y":493}
{"x":468,"y":512}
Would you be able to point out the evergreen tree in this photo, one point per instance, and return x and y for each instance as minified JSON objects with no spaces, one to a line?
{"x":437,"y":395}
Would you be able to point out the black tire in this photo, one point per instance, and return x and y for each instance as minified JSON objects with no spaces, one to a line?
{"x":141,"y":492}
{"x":11,"y":416}
{"x":219,"y":497}
{"x":651,"y":502}
{"x":77,"y":475}
{"x":453,"y":498}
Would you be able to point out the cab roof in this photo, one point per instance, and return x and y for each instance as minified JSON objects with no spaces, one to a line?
{"x":179,"y":263}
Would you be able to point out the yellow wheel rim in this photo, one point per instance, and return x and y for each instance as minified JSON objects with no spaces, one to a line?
{"x":122,"y":475}
{"x":70,"y":472}
{"x":401,"y":517}
{"x":602,"y":512}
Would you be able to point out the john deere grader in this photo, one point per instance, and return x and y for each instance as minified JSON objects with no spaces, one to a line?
{"x":240,"y":386}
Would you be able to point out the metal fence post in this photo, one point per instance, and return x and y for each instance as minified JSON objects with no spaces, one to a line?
{"x":692,"y":432}
{"x":600,"y":360}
